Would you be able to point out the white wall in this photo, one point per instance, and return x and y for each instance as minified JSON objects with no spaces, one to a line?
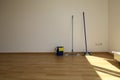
{"x":41,"y":25}
{"x":114,"y":25}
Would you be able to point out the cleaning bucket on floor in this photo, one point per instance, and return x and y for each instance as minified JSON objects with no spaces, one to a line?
{"x":59,"y":50}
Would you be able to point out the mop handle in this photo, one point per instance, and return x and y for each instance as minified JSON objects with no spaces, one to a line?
{"x":72,"y":32}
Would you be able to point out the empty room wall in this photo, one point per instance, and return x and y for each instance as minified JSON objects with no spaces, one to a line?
{"x":41,"y":25}
{"x":114,"y":25}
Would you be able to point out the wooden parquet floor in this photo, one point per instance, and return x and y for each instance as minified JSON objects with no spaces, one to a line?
{"x":98,"y":66}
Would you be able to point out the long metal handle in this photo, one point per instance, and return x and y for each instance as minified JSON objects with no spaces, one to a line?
{"x":85,"y":34}
{"x":72,"y":33}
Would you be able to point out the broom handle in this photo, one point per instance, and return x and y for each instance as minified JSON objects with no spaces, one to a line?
{"x":85,"y":33}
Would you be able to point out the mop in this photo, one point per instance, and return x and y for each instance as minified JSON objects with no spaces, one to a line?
{"x":72,"y":51}
{"x":85,"y":36}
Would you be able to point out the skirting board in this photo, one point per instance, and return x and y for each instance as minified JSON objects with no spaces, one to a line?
{"x":47,"y":52}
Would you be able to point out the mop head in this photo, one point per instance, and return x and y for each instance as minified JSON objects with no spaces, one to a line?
{"x":73,"y":54}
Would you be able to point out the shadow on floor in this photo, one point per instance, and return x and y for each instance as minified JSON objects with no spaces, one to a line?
{"x":108,"y":57}
{"x":107,"y":71}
